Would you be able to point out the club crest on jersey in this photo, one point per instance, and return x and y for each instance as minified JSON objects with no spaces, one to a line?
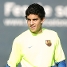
{"x":48,"y":42}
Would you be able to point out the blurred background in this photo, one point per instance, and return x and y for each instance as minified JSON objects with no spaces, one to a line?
{"x":13,"y":23}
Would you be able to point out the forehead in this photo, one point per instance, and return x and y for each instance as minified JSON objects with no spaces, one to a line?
{"x":31,"y":16}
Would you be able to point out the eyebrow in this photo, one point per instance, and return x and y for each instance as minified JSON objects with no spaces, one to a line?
{"x":32,"y":19}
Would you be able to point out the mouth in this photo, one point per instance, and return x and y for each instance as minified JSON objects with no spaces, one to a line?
{"x":32,"y":27}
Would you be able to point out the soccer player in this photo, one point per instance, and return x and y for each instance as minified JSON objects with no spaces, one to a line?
{"x":37,"y":46}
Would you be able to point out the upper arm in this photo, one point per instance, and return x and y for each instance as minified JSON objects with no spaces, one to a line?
{"x":15,"y":56}
{"x":59,"y":53}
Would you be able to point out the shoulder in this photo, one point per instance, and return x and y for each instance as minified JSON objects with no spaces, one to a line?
{"x":22,"y":35}
{"x":49,"y":31}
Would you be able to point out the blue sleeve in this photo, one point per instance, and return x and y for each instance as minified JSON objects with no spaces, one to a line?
{"x":61,"y":64}
{"x":7,"y":65}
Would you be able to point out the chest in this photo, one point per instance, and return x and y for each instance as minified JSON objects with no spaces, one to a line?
{"x":35,"y":45}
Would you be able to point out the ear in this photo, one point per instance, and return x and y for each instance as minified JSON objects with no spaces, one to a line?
{"x":43,"y":20}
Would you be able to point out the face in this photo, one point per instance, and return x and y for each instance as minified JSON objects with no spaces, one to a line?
{"x":34,"y":23}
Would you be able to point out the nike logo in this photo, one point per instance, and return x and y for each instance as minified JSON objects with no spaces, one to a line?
{"x":29,"y":46}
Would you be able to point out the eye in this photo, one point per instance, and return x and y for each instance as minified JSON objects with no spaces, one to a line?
{"x":28,"y":19}
{"x":35,"y":19}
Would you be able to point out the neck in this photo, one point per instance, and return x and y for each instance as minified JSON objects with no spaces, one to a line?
{"x":38,"y":32}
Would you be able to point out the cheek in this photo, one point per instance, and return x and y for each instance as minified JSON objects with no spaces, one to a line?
{"x":39,"y":24}
{"x":28,"y":23}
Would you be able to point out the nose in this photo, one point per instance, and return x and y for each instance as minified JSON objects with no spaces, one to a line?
{"x":31,"y":22}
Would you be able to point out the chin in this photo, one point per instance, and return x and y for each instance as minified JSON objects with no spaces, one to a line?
{"x":33,"y":31}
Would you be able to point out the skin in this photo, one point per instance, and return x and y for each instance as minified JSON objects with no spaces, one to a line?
{"x":34,"y":23}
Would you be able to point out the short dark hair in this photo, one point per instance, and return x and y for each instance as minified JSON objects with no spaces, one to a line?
{"x":35,"y":9}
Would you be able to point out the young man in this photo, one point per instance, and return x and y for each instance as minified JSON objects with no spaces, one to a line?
{"x":37,"y":46}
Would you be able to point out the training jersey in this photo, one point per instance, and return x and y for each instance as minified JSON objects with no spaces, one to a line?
{"x":36,"y":50}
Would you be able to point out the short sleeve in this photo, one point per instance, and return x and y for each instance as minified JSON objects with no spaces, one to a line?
{"x":59,"y":53}
{"x":15,"y":56}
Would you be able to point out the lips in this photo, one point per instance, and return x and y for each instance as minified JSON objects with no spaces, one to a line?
{"x":32,"y":27}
